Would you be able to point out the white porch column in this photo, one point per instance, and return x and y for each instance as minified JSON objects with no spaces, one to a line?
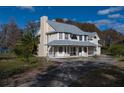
{"x":66,"y":50}
{"x":48,"y":50}
{"x":53,"y":51}
{"x":69,"y":37}
{"x":69,"y":51}
{"x":77,"y":51}
{"x":87,"y":51}
{"x":82,"y":51}
{"x":57,"y":51}
{"x":63,"y":52}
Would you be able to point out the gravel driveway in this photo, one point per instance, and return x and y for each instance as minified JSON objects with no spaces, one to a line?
{"x":99,"y":59}
{"x":81,"y":72}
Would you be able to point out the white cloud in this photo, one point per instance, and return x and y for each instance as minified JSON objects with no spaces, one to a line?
{"x":110,"y":10}
{"x":65,"y":19}
{"x":26,"y":7}
{"x":102,"y":22}
{"x":119,"y":27}
{"x":116,"y":16}
{"x":109,"y":24}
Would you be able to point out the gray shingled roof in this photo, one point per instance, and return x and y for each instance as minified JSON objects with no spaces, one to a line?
{"x":68,"y":42}
{"x":63,"y":27}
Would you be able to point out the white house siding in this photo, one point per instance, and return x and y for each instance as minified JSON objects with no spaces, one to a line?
{"x":95,"y":40}
{"x":52,"y":37}
{"x":98,"y":50}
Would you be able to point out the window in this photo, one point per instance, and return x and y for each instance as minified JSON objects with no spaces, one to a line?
{"x":60,"y":35}
{"x":85,"y":37}
{"x":60,"y":49}
{"x":80,"y":49}
{"x":95,"y":37}
{"x":64,"y":49}
{"x":95,"y":49}
{"x":80,"y":38}
{"x":73,"y":36}
{"x":66,"y":36}
{"x":85,"y":49}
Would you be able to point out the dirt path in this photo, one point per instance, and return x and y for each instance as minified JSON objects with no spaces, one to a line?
{"x":105,"y":59}
{"x":101,"y":71}
{"x":98,"y":59}
{"x":19,"y":79}
{"x":81,"y":74}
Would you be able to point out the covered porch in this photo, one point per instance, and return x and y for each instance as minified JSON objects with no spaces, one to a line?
{"x":70,"y":51}
{"x":68,"y":48}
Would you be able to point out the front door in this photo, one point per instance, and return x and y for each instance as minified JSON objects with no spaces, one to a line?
{"x":73,"y":51}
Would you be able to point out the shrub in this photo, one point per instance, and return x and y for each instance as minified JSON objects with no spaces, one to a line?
{"x":117,"y":50}
{"x":105,"y":50}
{"x":27,"y":46}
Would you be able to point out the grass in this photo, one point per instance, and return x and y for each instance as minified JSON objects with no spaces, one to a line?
{"x":12,"y":66}
{"x":119,"y":58}
{"x":15,"y":66}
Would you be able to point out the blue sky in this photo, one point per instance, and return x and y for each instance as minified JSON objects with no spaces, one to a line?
{"x":102,"y":16}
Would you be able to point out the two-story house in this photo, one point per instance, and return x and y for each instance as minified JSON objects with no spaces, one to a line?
{"x":65,"y":40}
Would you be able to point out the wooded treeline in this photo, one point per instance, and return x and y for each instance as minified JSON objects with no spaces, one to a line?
{"x":11,"y":33}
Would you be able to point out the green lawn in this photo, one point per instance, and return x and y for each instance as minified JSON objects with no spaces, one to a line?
{"x":12,"y":65}
{"x":119,"y":58}
{"x":9,"y":67}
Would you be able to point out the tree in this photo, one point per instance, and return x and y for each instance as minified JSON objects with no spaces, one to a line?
{"x":4,"y":36}
{"x":10,"y":34}
{"x":28,"y":44}
{"x":33,"y":27}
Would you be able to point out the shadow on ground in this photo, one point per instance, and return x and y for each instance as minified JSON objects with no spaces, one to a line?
{"x":81,"y":74}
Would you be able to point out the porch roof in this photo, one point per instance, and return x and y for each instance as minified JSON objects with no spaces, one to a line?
{"x":68,"y":42}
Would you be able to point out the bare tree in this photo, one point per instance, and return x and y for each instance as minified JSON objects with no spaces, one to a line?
{"x":10,"y":34}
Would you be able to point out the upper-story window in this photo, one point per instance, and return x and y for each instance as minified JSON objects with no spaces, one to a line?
{"x":91,"y":39}
{"x":73,"y":36}
{"x":85,"y":37}
{"x":66,"y":36}
{"x":80,"y":38}
{"x":60,"y":35}
{"x":95,"y":37}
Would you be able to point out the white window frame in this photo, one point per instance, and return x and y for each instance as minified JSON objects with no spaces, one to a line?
{"x":66,"y":36}
{"x":60,"y":36}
